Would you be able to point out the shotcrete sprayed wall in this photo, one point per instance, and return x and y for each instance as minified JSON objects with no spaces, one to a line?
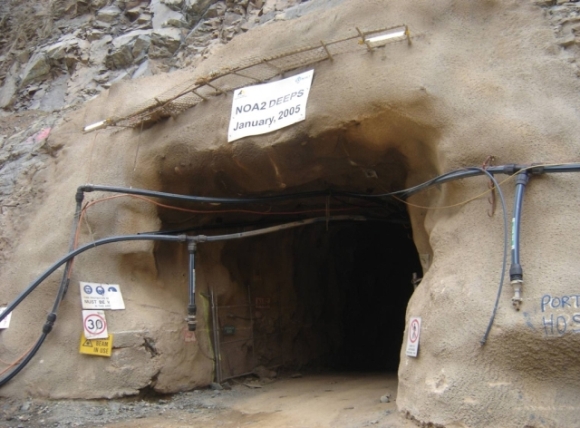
{"x":479,"y":78}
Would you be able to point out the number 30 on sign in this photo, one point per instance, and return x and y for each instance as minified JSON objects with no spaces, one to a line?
{"x":95,"y":325}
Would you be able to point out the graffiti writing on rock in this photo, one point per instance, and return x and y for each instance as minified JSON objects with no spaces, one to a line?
{"x":561,"y":314}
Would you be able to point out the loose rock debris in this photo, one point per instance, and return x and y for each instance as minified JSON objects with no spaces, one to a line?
{"x":351,"y":404}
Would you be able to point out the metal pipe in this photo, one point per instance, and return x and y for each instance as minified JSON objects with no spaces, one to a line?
{"x":216,"y":339}
{"x":516,"y":271}
{"x":191,"y":309}
{"x":239,"y":235}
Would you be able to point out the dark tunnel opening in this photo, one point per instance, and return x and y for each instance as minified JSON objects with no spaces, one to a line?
{"x":355,"y":283}
{"x":319,"y":297}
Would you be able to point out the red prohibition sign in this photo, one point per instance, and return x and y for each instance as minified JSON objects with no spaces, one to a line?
{"x":414,"y":330}
{"x":95,"y":324}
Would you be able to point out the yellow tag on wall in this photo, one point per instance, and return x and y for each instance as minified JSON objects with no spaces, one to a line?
{"x":100,"y":347}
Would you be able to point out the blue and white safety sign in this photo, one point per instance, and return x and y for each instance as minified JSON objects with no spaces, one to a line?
{"x":101,"y":296}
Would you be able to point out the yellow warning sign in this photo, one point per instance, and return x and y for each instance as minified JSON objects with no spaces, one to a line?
{"x":100,"y":347}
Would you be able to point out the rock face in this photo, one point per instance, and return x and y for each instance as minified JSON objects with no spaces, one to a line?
{"x":376,"y":120}
{"x":90,"y":37}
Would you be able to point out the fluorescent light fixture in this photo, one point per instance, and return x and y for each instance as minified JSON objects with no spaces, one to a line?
{"x":95,"y":126}
{"x":384,"y":37}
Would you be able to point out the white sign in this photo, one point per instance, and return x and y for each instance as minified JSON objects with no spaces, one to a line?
{"x":5,"y":323}
{"x":413,"y":337}
{"x":265,"y":108}
{"x":101,"y":296}
{"x":95,"y":325}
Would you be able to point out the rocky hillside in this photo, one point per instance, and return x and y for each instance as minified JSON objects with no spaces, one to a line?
{"x":57,"y":54}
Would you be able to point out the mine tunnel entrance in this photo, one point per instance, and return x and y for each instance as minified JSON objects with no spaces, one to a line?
{"x":325,"y":296}
{"x":320,"y":298}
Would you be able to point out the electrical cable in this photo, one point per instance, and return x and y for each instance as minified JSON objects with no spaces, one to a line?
{"x":152,"y":237}
{"x":80,"y":250}
{"x":204,"y":199}
{"x":121,"y":238}
{"x":266,"y":213}
{"x":236,"y":210}
{"x":405,"y":193}
{"x":171,"y":207}
{"x":505,"y":251}
{"x":507,"y":169}
{"x":16,"y":361}
{"x":462,"y":173}
{"x":52,"y":316}
{"x":24,"y":361}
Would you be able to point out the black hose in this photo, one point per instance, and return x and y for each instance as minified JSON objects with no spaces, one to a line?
{"x":191,"y":308}
{"x":573,"y":167}
{"x":508,"y":169}
{"x":505,"y":250}
{"x":80,"y":250}
{"x":64,"y":282}
{"x":52,"y":316}
{"x":25,"y":361}
{"x":207,"y":199}
{"x":516,"y":272}
{"x":453,"y":175}
{"x":171,"y":238}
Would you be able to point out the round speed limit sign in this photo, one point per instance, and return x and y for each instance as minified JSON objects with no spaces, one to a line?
{"x":95,"y":325}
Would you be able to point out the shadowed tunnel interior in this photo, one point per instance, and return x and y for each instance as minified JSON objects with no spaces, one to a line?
{"x":318,"y":299}
{"x":322,"y":296}
{"x":355,"y":282}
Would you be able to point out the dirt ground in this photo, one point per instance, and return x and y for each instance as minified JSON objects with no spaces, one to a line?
{"x":348,"y":400}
